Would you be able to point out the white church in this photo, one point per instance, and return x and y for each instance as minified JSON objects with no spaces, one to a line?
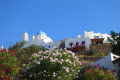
{"x":40,"y":39}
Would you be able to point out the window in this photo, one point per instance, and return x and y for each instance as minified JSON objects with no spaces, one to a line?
{"x":49,"y":46}
{"x":83,"y":42}
{"x":77,"y":43}
{"x":71,"y":44}
{"x":96,"y":36}
{"x":102,"y":36}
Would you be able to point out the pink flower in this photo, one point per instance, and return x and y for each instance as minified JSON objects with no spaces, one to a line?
{"x":11,"y":54}
{"x":113,"y":71}
{"x":2,"y":70}
{"x":20,"y":59}
{"x":14,"y":54}
{"x":98,"y":66}
{"x":6,"y":73}
{"x":5,"y":57}
{"x":4,"y":50}
{"x":2,"y":65}
{"x":12,"y":50}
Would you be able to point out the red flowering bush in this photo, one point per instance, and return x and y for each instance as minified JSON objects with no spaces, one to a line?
{"x":96,"y":73}
{"x":9,"y":65}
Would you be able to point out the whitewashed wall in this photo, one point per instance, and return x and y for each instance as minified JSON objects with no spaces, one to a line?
{"x":87,"y":42}
{"x":91,"y":35}
{"x":106,"y":61}
{"x":55,"y":45}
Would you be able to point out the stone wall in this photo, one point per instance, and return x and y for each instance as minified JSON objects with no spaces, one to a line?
{"x":105,"y":48}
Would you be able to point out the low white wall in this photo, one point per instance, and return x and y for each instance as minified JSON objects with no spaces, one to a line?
{"x":106,"y":61}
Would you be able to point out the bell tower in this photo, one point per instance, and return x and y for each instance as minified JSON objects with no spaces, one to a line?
{"x":2,"y":47}
{"x":25,"y":37}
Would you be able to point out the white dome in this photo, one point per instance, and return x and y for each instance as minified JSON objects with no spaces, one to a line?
{"x":41,"y":33}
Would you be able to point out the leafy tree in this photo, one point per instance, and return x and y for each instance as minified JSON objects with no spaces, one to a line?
{"x":115,"y":48}
{"x":26,"y":53}
{"x":16,"y":46}
{"x":115,"y":43}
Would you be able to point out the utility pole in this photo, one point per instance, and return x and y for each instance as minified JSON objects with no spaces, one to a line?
{"x":10,"y":44}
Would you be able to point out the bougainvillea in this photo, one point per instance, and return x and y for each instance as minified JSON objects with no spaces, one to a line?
{"x":96,"y":73}
{"x":9,"y":65}
{"x":52,"y":65}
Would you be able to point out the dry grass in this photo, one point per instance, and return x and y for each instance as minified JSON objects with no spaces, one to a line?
{"x":88,"y":59}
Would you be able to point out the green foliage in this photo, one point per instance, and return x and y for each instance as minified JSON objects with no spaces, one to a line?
{"x":115,"y":43}
{"x":25,"y":53}
{"x":118,"y":72}
{"x":52,"y":65}
{"x":9,"y":65}
{"x":93,"y":53}
{"x":96,"y":73}
{"x":100,"y":54}
{"x":17,"y":45}
{"x":115,"y":47}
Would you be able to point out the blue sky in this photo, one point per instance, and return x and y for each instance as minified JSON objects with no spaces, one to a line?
{"x":59,"y":19}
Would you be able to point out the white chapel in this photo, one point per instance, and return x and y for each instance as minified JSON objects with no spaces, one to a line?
{"x":40,"y":39}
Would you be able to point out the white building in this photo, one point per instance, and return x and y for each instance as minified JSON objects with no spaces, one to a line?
{"x":86,"y":39}
{"x":93,"y":35}
{"x":79,"y":40}
{"x":40,"y":39}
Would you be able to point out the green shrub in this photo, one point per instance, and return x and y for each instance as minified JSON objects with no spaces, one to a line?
{"x":100,"y":54}
{"x":52,"y":65}
{"x":96,"y":73}
{"x":94,"y":53}
{"x":90,"y":53}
